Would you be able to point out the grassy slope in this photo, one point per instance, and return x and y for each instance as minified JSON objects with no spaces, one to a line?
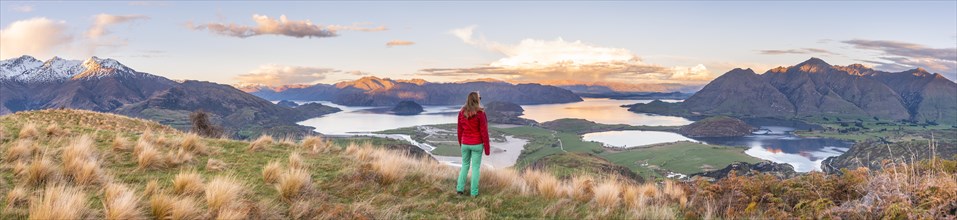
{"x":682,"y":157}
{"x":888,"y":130}
{"x":346,"y":186}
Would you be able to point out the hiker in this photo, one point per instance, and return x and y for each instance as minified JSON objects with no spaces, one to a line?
{"x":473,"y":137}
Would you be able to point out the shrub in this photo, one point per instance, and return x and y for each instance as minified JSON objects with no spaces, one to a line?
{"x":202,"y":125}
{"x":59,"y":202}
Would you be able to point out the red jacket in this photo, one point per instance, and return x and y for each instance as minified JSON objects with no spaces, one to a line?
{"x":473,"y":130}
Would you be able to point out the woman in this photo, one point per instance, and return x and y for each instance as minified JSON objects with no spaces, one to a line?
{"x":473,"y":137}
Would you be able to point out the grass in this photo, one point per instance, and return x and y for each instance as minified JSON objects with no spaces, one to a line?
{"x":355,"y":183}
{"x":681,"y":157}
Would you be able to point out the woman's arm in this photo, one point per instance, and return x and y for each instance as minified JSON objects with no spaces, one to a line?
{"x":483,"y":130}
{"x":461,"y":127}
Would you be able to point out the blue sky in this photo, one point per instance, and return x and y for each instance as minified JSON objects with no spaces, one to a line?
{"x":634,"y":42}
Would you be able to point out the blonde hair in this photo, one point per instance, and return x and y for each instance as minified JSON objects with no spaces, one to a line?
{"x":472,"y":105}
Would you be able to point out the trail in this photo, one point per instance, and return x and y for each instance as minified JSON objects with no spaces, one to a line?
{"x":560,"y":145}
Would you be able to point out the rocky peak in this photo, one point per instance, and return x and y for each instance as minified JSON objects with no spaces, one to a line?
{"x":16,"y":66}
{"x":813,"y":65}
{"x":369,"y":83}
{"x":97,"y":67}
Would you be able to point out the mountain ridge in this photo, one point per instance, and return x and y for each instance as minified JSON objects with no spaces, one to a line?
{"x":814,"y":87}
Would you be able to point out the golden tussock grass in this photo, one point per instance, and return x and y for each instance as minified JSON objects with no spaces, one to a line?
{"x":260,"y":143}
{"x":193,"y":143}
{"x":40,"y":171}
{"x":188,"y":182}
{"x":80,"y":162}
{"x":503,"y":180}
{"x":53,"y":130}
{"x":608,"y":194}
{"x":360,"y":152}
{"x":232,"y":214}
{"x":215,"y":165}
{"x":390,"y":166}
{"x":120,"y":202}
{"x":150,"y":158}
{"x":23,"y":150}
{"x":59,"y":202}
{"x":271,"y":172}
{"x":316,"y":144}
{"x":179,"y":157}
{"x":545,"y":184}
{"x":164,"y":206}
{"x":296,"y":161}
{"x":152,"y":188}
{"x":120,"y":143}
{"x":161,"y":205}
{"x":222,"y":192}
{"x":28,"y":131}
{"x":581,"y":188}
{"x":16,"y":198}
{"x":294,"y":183}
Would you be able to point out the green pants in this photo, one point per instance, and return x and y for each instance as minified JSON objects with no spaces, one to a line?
{"x":471,"y":157}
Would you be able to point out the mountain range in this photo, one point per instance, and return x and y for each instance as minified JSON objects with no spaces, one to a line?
{"x":815,"y":87}
{"x":375,"y":91}
{"x":106,"y":85}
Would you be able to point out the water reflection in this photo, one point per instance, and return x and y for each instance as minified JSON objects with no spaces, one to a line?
{"x":805,"y":154}
{"x":606,"y":111}
{"x":629,"y":139}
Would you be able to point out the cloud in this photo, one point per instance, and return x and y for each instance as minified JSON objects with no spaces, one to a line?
{"x":399,"y":43}
{"x":22,"y":8}
{"x":283,"y":26}
{"x":36,"y":36}
{"x":897,"y":56}
{"x":797,"y":51}
{"x":277,"y":75}
{"x":102,"y":21}
{"x":537,"y":60}
{"x":358,"y":73}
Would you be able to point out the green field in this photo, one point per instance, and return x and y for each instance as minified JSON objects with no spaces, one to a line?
{"x":681,"y":157}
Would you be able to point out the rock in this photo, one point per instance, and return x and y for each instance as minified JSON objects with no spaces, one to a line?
{"x":717,"y":126}
{"x":407,"y":108}
{"x":779,"y":170}
{"x":873,"y":154}
{"x":287,"y":103}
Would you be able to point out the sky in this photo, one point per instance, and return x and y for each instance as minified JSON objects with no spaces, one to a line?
{"x":280,"y":43}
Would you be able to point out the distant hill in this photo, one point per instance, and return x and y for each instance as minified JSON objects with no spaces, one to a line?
{"x":106,"y":85}
{"x":815,"y":87}
{"x":374,"y":91}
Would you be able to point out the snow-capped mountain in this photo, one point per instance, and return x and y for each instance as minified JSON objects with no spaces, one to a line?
{"x":11,"y":68}
{"x":29,"y":69}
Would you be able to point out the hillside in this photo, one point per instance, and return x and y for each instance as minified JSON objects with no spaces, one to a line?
{"x":374,"y":91}
{"x":94,"y":169}
{"x":717,"y":126}
{"x":815,"y":88}
{"x":106,"y":85}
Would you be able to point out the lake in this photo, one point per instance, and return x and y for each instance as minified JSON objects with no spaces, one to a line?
{"x":371,"y":119}
{"x":629,"y":139}
{"x":777,"y":144}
